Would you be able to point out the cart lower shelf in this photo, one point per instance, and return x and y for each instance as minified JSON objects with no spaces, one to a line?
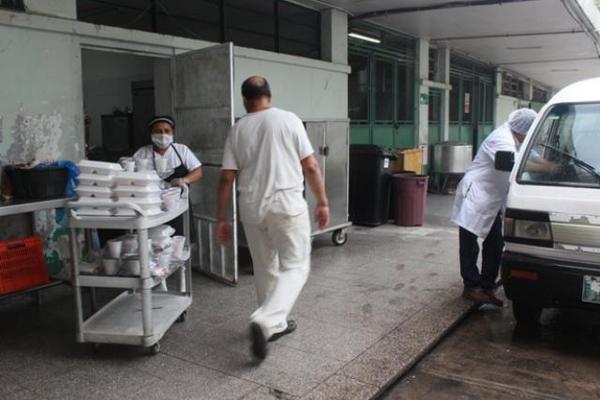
{"x":120,"y":321}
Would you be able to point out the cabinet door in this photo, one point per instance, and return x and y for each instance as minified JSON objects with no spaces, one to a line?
{"x":203,"y":105}
{"x":336,"y":170}
{"x":316,"y":134}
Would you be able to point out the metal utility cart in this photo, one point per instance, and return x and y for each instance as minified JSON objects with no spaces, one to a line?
{"x":138,"y":316}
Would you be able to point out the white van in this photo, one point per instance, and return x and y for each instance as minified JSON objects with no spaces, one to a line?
{"x":552,"y":220}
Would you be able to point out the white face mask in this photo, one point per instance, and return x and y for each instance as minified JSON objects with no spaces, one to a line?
{"x":162,"y":140}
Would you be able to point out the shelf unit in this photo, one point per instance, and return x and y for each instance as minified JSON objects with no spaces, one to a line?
{"x":138,"y":316}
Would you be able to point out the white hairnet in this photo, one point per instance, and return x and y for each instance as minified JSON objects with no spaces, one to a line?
{"x":520,"y":120}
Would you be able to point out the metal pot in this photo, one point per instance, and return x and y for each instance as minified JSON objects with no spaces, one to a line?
{"x":451,"y":158}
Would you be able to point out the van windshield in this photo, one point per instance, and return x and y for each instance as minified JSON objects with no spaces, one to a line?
{"x":565,"y":150}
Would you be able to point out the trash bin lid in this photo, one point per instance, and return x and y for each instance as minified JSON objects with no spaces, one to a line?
{"x":370,"y":150}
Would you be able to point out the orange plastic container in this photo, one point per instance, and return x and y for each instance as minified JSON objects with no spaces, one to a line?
{"x":22,"y":264}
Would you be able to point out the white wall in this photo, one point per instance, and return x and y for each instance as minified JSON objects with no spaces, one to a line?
{"x":107,"y":78}
{"x":310,"y":88}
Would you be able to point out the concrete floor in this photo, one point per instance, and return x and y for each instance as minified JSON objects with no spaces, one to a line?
{"x":370,"y":309}
{"x":491,"y":357}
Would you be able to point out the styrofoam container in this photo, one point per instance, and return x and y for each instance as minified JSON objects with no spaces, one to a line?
{"x":145,"y":203}
{"x":147,"y":178}
{"x":96,"y":180}
{"x":94,"y":211}
{"x":124,"y":192}
{"x":94,"y":192}
{"x":127,"y":212}
{"x":98,"y":167}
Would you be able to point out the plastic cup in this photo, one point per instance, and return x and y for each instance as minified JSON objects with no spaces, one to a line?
{"x":110,"y":266}
{"x":129,"y":166}
{"x":178,"y":243}
{"x":114,"y":248}
{"x":170,"y":203}
{"x":130,"y":245}
{"x":164,"y":259}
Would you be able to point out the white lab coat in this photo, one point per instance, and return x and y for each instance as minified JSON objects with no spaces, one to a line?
{"x":482,"y":192}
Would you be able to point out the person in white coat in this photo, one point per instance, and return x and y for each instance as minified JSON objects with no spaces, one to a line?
{"x":478,"y":205}
{"x":270,"y":155}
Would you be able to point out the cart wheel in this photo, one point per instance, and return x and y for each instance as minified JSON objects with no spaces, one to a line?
{"x":339,"y":237}
{"x":155,"y":349}
{"x":182,"y":317}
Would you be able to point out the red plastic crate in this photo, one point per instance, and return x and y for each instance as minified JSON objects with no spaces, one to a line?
{"x":22,"y":264}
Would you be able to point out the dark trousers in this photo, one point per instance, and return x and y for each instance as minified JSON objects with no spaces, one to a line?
{"x":491,"y":257}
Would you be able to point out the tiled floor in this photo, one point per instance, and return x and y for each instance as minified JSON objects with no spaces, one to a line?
{"x":369,"y":308}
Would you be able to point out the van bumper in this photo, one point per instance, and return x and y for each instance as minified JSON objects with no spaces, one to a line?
{"x":558,"y":283}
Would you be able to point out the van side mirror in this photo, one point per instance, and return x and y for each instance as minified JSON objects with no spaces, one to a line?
{"x":504,"y":161}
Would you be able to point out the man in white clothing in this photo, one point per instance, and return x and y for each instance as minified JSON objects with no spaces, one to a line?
{"x":480,"y":198}
{"x":269,"y":153}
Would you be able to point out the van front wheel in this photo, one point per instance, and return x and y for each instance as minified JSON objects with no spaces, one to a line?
{"x":526,"y":313}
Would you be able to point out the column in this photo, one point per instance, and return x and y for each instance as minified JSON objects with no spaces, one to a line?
{"x":57,"y":8}
{"x":334,"y":36}
{"x":422,"y":99}
{"x":443,"y":62}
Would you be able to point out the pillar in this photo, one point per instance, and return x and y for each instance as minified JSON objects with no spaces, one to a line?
{"x":422,"y":99}
{"x":444,"y":77}
{"x":334,"y":36}
{"x":56,"y":8}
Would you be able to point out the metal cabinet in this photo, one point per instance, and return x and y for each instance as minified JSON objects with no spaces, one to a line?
{"x":330,"y":141}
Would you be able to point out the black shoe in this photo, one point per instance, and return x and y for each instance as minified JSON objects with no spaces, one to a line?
{"x":291,"y":327}
{"x":259,"y":341}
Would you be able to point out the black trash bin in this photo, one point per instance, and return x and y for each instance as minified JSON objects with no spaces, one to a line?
{"x":370,"y":182}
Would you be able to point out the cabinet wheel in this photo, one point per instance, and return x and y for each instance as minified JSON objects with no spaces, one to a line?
{"x":339,"y":237}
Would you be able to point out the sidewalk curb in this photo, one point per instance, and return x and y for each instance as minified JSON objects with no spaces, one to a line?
{"x":424,"y":352}
{"x":373,"y":372}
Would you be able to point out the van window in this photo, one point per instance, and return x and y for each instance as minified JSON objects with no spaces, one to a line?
{"x":565,"y":149}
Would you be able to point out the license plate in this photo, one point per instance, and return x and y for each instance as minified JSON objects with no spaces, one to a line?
{"x":591,"y":289}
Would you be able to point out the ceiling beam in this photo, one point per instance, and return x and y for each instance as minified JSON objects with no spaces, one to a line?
{"x":444,"y":6}
{"x":507,"y":35}
{"x":559,"y":60}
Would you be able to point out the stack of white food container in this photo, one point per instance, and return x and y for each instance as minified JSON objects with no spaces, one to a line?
{"x":95,"y":187}
{"x":141,"y":188}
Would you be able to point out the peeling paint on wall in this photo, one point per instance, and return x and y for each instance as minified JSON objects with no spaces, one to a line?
{"x":35,"y":136}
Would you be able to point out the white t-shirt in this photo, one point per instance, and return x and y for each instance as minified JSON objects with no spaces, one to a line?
{"x":189,"y":159}
{"x":266,"y":149}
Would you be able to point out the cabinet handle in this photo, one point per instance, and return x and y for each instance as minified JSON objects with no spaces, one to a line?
{"x":324,"y":150}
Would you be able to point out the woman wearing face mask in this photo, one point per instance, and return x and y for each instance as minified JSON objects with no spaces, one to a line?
{"x":169,"y":155}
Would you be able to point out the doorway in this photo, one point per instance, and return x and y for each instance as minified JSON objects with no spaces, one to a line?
{"x":119,"y":98}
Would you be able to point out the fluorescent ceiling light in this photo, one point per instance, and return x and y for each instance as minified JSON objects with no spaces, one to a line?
{"x":525,"y":48}
{"x":566,"y":70}
{"x":364,"y":37}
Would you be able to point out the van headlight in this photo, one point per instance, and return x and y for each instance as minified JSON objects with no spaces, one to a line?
{"x":527,"y":230}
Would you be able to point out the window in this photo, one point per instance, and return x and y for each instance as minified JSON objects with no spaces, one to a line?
{"x":435,"y":105}
{"x":384,"y":90}
{"x":129,"y":14}
{"x":12,"y":4}
{"x":299,"y":30}
{"x":512,"y":86}
{"x":454,"y":100}
{"x":539,"y":95}
{"x":273,"y":25}
{"x":198,"y":19}
{"x":250,"y":24}
{"x":467,"y":101}
{"x":565,"y":150}
{"x":405,"y":93}
{"x":358,"y":87}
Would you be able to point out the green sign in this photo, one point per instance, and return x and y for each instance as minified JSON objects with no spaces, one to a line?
{"x":424,"y":98}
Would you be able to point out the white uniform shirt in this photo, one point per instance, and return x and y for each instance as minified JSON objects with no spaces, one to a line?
{"x":266,"y":149}
{"x":189,"y":159}
{"x":481,"y":194}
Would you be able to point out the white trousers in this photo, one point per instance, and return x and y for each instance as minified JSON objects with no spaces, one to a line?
{"x":280,"y":249}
